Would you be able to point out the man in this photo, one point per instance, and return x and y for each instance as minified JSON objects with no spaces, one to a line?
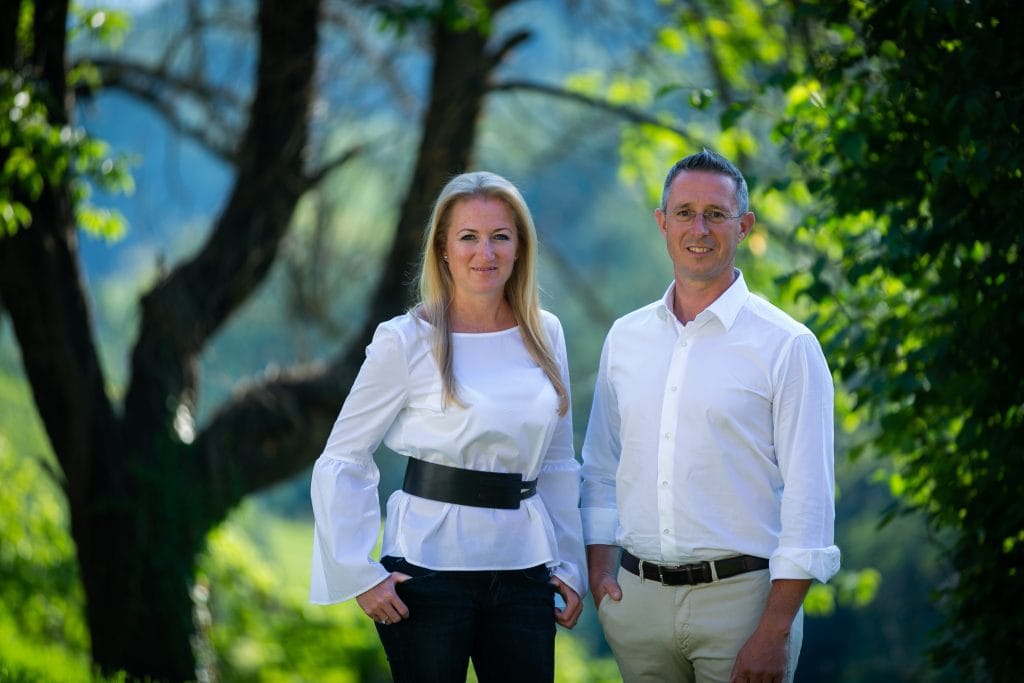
{"x":708,"y":475}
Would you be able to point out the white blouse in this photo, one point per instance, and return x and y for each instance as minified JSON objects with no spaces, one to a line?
{"x":510,"y":424}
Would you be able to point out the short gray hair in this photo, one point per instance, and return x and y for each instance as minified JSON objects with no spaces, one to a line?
{"x":711,"y":162}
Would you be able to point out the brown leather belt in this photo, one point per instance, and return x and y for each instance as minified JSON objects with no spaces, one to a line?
{"x":502,"y":490}
{"x":691,"y":574}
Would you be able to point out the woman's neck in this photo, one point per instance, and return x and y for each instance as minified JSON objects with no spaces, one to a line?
{"x":481,"y":315}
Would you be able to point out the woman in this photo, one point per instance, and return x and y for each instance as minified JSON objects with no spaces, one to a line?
{"x":472,"y":385}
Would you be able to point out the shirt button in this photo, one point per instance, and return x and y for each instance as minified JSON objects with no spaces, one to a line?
{"x":666,"y":532}
{"x":664,"y":483}
{"x":675,"y":388}
{"x":668,"y":435}
{"x":682,"y":343}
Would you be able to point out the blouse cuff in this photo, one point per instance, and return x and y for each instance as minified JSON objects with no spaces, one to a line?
{"x":804,"y":563}
{"x":338,"y":584}
{"x":571,"y":576}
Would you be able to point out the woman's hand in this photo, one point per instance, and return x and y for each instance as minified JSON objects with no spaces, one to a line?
{"x":568,"y":615}
{"x":381,"y":603}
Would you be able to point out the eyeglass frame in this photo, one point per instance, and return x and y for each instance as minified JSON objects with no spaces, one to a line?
{"x":706,"y":215}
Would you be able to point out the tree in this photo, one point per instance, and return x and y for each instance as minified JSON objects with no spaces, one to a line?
{"x":910,"y":124}
{"x":144,"y":489}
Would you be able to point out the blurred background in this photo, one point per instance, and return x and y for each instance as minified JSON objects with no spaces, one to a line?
{"x":269,"y":227}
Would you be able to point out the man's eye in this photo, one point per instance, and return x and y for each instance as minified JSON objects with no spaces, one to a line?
{"x":717,"y":215}
{"x":685,"y":214}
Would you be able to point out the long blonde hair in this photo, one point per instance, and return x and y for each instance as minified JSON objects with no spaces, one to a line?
{"x":436,"y":286}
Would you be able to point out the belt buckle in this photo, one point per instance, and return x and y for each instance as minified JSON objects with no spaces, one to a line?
{"x":705,"y":573}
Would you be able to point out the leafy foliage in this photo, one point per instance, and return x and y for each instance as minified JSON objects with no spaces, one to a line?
{"x":36,"y":151}
{"x":912,"y":132}
{"x":41,"y":622}
{"x":261,"y":627}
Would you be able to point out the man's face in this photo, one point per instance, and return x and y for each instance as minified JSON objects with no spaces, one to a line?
{"x":702,"y":252}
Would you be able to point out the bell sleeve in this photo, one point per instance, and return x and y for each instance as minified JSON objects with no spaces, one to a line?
{"x":343,"y":489}
{"x":558,"y":484}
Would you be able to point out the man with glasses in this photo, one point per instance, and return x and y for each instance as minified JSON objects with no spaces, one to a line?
{"x":708,"y":475}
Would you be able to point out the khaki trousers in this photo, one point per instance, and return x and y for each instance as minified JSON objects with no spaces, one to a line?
{"x":689,"y":634}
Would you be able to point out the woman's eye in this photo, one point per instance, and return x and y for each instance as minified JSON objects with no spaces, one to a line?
{"x":501,"y":236}
{"x":467,"y":237}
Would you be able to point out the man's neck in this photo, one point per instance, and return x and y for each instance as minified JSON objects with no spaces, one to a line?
{"x":692,"y":297}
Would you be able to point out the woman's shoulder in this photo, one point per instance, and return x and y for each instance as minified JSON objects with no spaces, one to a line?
{"x":549,"y":318}
{"x":552,"y":325}
{"x":407,"y":329}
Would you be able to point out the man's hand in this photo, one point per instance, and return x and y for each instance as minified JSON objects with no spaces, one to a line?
{"x":763,"y":658}
{"x":602,"y":568}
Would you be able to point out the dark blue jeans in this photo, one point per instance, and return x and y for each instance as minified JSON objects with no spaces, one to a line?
{"x":503,"y":620}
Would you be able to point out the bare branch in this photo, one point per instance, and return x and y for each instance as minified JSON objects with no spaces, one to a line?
{"x":122,"y":73}
{"x":583,"y":291}
{"x":380,"y":61}
{"x":625,"y":112}
{"x":164,"y":91}
{"x":314,"y":178}
{"x":272,"y":429}
{"x":510,"y":43}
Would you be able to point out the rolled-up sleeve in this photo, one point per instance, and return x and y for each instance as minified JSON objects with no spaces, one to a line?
{"x":343,"y":490}
{"x":804,"y":429}
{"x":601,"y":452}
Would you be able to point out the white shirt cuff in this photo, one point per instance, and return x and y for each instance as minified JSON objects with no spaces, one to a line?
{"x":804,"y":563}
{"x":599,"y":525}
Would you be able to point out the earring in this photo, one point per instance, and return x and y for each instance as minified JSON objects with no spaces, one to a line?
{"x":445,"y":257}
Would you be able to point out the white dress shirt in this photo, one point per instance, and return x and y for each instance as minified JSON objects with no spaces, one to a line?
{"x":510,"y":424}
{"x":713,"y":438}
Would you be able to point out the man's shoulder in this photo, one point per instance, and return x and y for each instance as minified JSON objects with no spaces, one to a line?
{"x":770,"y":316}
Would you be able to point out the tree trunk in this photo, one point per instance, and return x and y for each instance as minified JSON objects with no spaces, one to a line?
{"x":154,"y":523}
{"x":142,"y":494}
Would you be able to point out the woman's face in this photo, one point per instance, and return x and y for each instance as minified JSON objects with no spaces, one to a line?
{"x":481,"y":246}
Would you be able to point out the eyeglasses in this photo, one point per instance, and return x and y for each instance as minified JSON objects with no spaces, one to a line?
{"x":711,"y":216}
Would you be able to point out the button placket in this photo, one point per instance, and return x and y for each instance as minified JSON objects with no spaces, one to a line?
{"x":667,"y":442}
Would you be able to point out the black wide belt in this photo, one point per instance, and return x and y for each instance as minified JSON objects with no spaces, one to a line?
{"x":501,"y":490}
{"x":691,"y":574}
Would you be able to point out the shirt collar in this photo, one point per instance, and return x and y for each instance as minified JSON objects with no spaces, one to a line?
{"x":726,"y":307}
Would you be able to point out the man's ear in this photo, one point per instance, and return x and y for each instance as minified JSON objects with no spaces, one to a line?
{"x":747,"y":224}
{"x":660,"y":217}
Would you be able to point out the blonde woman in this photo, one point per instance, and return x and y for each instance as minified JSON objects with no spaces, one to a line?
{"x":472,"y":386}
